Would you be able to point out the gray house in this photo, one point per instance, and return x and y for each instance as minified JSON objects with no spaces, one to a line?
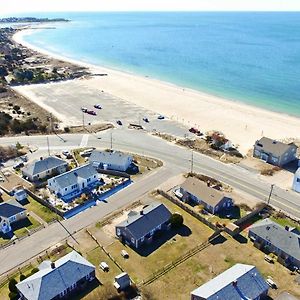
{"x":269,"y":235}
{"x":73,"y":182}
{"x":56,"y":280}
{"x":274,"y":152}
{"x":239,"y":282}
{"x":196,"y":190}
{"x":44,"y":168}
{"x":140,"y":227}
{"x":10,"y":212}
{"x":110,"y":160}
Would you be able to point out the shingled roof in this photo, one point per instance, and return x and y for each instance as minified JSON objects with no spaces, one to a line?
{"x":43,"y":165}
{"x":50,"y":282}
{"x":10,"y":208}
{"x":71,"y":177}
{"x":239,"y":282}
{"x":109,"y":157}
{"x":203,"y":192}
{"x":141,"y":223}
{"x":272,"y":146}
{"x":278,"y":236}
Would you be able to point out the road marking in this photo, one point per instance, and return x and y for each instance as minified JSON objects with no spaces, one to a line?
{"x":84,"y":141}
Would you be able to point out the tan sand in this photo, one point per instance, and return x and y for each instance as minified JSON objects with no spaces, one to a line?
{"x":243,"y":124}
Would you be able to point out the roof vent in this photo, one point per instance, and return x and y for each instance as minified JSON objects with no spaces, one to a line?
{"x":268,"y":227}
{"x":287,"y":228}
{"x":234,"y":283}
{"x":76,"y":174}
{"x":274,"y":142}
{"x":52,"y":265}
{"x":41,"y":158}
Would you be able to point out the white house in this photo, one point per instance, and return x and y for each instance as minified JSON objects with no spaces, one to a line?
{"x":10,"y":212}
{"x":43,"y":168}
{"x":112,"y":160}
{"x":74,"y":181}
{"x":296,"y":182}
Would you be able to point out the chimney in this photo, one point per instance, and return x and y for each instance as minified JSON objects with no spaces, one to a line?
{"x":208,"y":183}
{"x":287,"y":228}
{"x":142,"y":212}
{"x":234,"y":283}
{"x":52,"y":265}
{"x":41,"y":158}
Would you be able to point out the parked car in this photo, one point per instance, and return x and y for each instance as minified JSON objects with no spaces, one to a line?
{"x":125,"y":254}
{"x":160,"y":117}
{"x":271,"y":283}
{"x":84,"y":109}
{"x":87,"y":152}
{"x":104,"y":266}
{"x":18,"y":166}
{"x":24,"y":158}
{"x":92,"y":112}
{"x":193,"y":130}
{"x":67,"y":153}
{"x":269,"y":259}
{"x":146,"y":120}
{"x":98,"y":106}
{"x":119,"y":123}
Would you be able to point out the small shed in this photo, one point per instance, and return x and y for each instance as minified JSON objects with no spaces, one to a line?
{"x":122,"y":282}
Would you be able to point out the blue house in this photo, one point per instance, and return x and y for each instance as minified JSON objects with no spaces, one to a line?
{"x":56,"y":280}
{"x":140,"y":227}
{"x":239,"y":282}
{"x":269,"y":235}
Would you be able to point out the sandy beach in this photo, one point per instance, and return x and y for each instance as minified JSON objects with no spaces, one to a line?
{"x":242,"y":124}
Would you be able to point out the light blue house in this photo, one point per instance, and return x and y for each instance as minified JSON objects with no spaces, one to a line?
{"x":73,"y":182}
{"x":239,"y":282}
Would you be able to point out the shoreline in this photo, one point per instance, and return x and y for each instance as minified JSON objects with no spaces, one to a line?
{"x":188,"y":106}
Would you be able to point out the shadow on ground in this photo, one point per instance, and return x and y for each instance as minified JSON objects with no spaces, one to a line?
{"x":161,"y":237}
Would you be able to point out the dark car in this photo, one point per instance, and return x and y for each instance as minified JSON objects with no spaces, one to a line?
{"x":98,"y":106}
{"x":92,"y":112}
{"x":160,"y":117}
{"x":119,"y":123}
{"x":146,"y":120}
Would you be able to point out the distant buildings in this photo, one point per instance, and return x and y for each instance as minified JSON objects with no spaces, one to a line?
{"x":108,"y":160}
{"x":269,"y":235}
{"x":140,"y":227}
{"x":274,"y":152}
{"x":73,"y":182}
{"x":239,"y":282}
{"x":44,"y":168}
{"x":296,"y":182}
{"x":56,"y":280}
{"x":213,"y":200}
{"x":10,"y":212}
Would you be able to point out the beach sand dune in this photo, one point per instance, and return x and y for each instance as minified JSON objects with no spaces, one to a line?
{"x":243,"y":124}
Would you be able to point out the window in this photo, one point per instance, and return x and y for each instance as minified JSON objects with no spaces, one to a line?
{"x":118,"y":231}
{"x":66,"y":189}
{"x":89,"y":179}
{"x":298,"y":180}
{"x":132,"y":240}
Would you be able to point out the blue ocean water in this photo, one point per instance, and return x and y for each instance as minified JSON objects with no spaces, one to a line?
{"x":249,"y":57}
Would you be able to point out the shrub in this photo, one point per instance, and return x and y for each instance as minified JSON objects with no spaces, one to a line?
{"x":34,"y":270}
{"x":22,"y":277}
{"x":176,"y":220}
{"x":13,"y":295}
{"x":12,"y":285}
{"x":67,"y":129}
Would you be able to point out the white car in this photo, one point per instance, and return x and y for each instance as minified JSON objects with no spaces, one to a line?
{"x":84,"y":109}
{"x":104,"y":266}
{"x":271,"y":283}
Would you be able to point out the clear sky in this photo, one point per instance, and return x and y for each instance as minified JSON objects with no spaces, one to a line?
{"x":20,"y":6}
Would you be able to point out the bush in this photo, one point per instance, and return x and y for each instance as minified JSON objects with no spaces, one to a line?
{"x":22,"y":277}
{"x":176,"y":220}
{"x":13,"y":296}
{"x":12,"y":285}
{"x":67,"y":129}
{"x":34,"y":270}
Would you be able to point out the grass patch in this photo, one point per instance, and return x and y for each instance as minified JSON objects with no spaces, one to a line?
{"x":22,"y":227}
{"x":42,"y":211}
{"x":285,"y":222}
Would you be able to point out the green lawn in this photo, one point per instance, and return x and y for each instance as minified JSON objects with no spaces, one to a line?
{"x":42,"y":211}
{"x":21,"y":228}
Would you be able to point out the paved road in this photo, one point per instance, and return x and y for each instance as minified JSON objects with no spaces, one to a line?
{"x":176,"y":160}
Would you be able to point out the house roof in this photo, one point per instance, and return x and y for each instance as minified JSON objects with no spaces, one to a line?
{"x":200,"y":189}
{"x":48,"y":283}
{"x":71,"y":177}
{"x":141,"y":223}
{"x":272,"y":146}
{"x":239,"y":282}
{"x":43,"y":165}
{"x":278,"y":236}
{"x":10,"y":208}
{"x":105,"y":157}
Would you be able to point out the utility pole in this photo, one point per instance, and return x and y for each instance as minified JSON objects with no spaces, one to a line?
{"x":271,"y":191}
{"x":192,"y":162}
{"x":111,"y":141}
{"x":50,"y":120}
{"x":82,"y":119}
{"x":48,"y":146}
